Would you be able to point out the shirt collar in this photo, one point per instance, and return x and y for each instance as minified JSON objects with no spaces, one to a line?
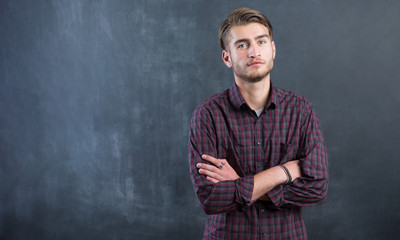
{"x":235,"y":96}
{"x":237,"y":99}
{"x":273,"y":99}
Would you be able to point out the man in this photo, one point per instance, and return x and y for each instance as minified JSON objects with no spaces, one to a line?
{"x":256,"y":152}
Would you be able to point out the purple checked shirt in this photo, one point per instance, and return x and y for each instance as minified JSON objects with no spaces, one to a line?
{"x":225,"y":127}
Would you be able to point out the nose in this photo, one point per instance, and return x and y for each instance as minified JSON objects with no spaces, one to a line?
{"x":254,"y":51}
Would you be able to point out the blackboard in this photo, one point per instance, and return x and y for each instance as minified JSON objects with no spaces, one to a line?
{"x":96,"y":99}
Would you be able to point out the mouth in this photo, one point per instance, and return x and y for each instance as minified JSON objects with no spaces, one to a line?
{"x":255,"y":63}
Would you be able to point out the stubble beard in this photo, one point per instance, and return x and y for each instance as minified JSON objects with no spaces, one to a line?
{"x":252,"y":77}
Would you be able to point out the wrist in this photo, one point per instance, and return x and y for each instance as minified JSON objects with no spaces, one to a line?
{"x":281,"y":175}
{"x":287,"y":173}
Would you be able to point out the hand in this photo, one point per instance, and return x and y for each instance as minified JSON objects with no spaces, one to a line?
{"x":294,"y":169}
{"x":215,"y":173}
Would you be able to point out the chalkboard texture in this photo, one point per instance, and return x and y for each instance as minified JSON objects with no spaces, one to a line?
{"x":96,"y":99}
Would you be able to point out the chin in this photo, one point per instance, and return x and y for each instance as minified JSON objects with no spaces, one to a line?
{"x":256,"y":77}
{"x":252,"y":76}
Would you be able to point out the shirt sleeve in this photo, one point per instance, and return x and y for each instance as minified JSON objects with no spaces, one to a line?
{"x":226,"y":195}
{"x":312,"y":187}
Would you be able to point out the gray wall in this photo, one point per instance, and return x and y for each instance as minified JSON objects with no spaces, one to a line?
{"x":96,"y":99}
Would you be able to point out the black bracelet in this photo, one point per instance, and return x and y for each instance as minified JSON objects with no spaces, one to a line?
{"x":287,"y":173}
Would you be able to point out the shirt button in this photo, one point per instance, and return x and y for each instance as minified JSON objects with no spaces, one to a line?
{"x":262,"y":210}
{"x":258,"y":143}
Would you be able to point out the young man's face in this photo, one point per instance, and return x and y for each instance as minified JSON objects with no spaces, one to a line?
{"x":250,"y":52}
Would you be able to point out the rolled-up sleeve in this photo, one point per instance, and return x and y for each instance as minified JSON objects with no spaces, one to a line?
{"x":311,"y":188}
{"x":226,"y":195}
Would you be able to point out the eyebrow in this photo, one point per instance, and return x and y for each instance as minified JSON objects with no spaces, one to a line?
{"x":246,"y":39}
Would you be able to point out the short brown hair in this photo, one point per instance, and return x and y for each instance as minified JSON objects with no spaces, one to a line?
{"x":240,"y":17}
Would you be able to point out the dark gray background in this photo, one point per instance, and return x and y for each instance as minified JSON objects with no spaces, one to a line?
{"x":96,"y":99}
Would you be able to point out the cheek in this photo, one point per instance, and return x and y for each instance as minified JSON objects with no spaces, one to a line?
{"x":240,"y":58}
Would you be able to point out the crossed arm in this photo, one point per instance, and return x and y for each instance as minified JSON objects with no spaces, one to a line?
{"x":264,"y":181}
{"x":223,"y":190}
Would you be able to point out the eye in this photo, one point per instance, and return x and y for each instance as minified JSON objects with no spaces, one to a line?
{"x":243,"y":45}
{"x":262,"y":42}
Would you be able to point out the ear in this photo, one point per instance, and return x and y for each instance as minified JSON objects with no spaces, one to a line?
{"x":226,"y":58}
{"x":273,"y":50}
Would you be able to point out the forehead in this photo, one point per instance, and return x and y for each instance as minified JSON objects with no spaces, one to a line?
{"x":247,"y":32}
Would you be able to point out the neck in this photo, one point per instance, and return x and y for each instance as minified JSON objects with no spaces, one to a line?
{"x":255,"y":94}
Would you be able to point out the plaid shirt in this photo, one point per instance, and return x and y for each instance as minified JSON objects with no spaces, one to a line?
{"x":225,"y":127}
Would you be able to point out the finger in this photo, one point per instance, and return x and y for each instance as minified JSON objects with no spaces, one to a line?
{"x":207,"y":167}
{"x":210,"y":159}
{"x":210,"y":174}
{"x":213,"y":180}
{"x":225,"y":162}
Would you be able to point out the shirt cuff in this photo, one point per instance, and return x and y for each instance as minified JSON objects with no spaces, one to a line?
{"x":244,"y":190}
{"x":276,"y":195}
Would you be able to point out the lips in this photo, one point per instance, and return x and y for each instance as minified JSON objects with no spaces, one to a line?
{"x":255,"y":63}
